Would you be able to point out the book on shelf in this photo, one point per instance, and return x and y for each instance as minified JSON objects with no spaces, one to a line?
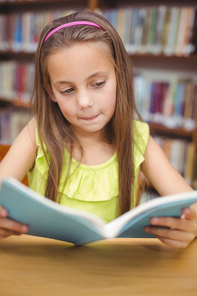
{"x":193,"y":39}
{"x":188,"y":45}
{"x":145,"y":31}
{"x":132,"y":42}
{"x":173,"y":28}
{"x":152,"y":30}
{"x":158,"y":34}
{"x":180,"y":33}
{"x":128,"y":24}
{"x":121,"y":22}
{"x":49,"y":219}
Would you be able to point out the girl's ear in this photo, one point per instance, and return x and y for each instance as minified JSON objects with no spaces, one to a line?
{"x":50,"y":92}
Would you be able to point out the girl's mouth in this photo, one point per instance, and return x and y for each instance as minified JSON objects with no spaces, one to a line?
{"x":90,"y":118}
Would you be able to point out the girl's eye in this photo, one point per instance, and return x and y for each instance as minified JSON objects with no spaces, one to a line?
{"x":67,"y":91}
{"x":99,"y":84}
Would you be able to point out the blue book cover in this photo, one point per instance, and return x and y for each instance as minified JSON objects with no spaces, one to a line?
{"x":18,"y":32}
{"x":49,"y":219}
{"x":113,"y":15}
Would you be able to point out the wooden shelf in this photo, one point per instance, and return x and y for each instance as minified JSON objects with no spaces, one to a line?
{"x":166,"y":63}
{"x":167,"y":59}
{"x":190,"y":58}
{"x":179,"y":132}
{"x":118,"y":3}
{"x":108,"y":3}
{"x":21,"y":104}
{"x":18,"y":2}
{"x":37,"y":2}
{"x":20,"y":56}
{"x":14,"y":103}
{"x":15,"y":6}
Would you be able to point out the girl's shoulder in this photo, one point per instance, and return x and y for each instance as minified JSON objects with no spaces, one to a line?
{"x":141,"y":127}
{"x":141,"y":134}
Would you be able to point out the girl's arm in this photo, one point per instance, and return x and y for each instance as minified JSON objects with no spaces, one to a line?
{"x":17,"y":162}
{"x":166,"y":180}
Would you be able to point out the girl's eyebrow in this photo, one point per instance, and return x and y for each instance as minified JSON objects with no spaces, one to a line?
{"x":100,"y":73}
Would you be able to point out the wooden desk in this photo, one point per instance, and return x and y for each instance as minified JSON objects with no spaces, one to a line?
{"x":37,"y":266}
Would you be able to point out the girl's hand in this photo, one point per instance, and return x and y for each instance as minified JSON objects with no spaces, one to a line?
{"x":9,"y":227}
{"x":182,"y":230}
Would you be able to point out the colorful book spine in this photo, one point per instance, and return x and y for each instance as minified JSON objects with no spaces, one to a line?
{"x":169,"y":48}
{"x":159,"y":29}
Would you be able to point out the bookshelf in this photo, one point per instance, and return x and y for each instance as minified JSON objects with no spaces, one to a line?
{"x":141,"y":60}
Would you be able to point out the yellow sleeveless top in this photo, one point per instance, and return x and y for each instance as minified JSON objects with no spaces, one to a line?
{"x":92,"y":188}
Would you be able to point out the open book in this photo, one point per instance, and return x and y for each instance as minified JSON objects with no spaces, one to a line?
{"x":49,"y":219}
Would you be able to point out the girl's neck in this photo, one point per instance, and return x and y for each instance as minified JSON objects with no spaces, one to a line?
{"x":96,"y":149}
{"x":91,"y":139}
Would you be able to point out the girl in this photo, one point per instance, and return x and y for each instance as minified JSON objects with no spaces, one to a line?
{"x":83,"y":147}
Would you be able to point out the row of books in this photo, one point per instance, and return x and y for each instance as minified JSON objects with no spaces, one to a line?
{"x":16,"y":81}
{"x":21,"y":31}
{"x":11,"y":123}
{"x":181,"y":155}
{"x":156,"y":30}
{"x":171,"y":101}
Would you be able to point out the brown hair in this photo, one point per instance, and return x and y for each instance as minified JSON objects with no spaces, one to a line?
{"x":53,"y":128}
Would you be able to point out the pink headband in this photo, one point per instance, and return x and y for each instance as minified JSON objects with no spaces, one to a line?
{"x":72,"y":24}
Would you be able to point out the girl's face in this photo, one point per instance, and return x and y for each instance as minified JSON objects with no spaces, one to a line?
{"x":83,"y":83}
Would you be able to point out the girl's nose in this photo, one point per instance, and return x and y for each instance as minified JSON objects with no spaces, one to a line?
{"x":84,"y":100}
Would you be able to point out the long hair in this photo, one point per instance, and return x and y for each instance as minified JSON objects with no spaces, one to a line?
{"x":53,"y":129}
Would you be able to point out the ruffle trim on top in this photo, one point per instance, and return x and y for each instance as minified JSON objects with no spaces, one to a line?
{"x":141,"y":136}
{"x":92,"y":183}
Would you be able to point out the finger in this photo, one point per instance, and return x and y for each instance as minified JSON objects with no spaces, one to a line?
{"x":7,"y":235}
{"x":3,"y":236}
{"x":3,"y":212}
{"x":12,"y":225}
{"x":188,"y":213}
{"x":171,"y":234}
{"x":175,"y":223}
{"x":173,"y":243}
{"x":6,"y":232}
